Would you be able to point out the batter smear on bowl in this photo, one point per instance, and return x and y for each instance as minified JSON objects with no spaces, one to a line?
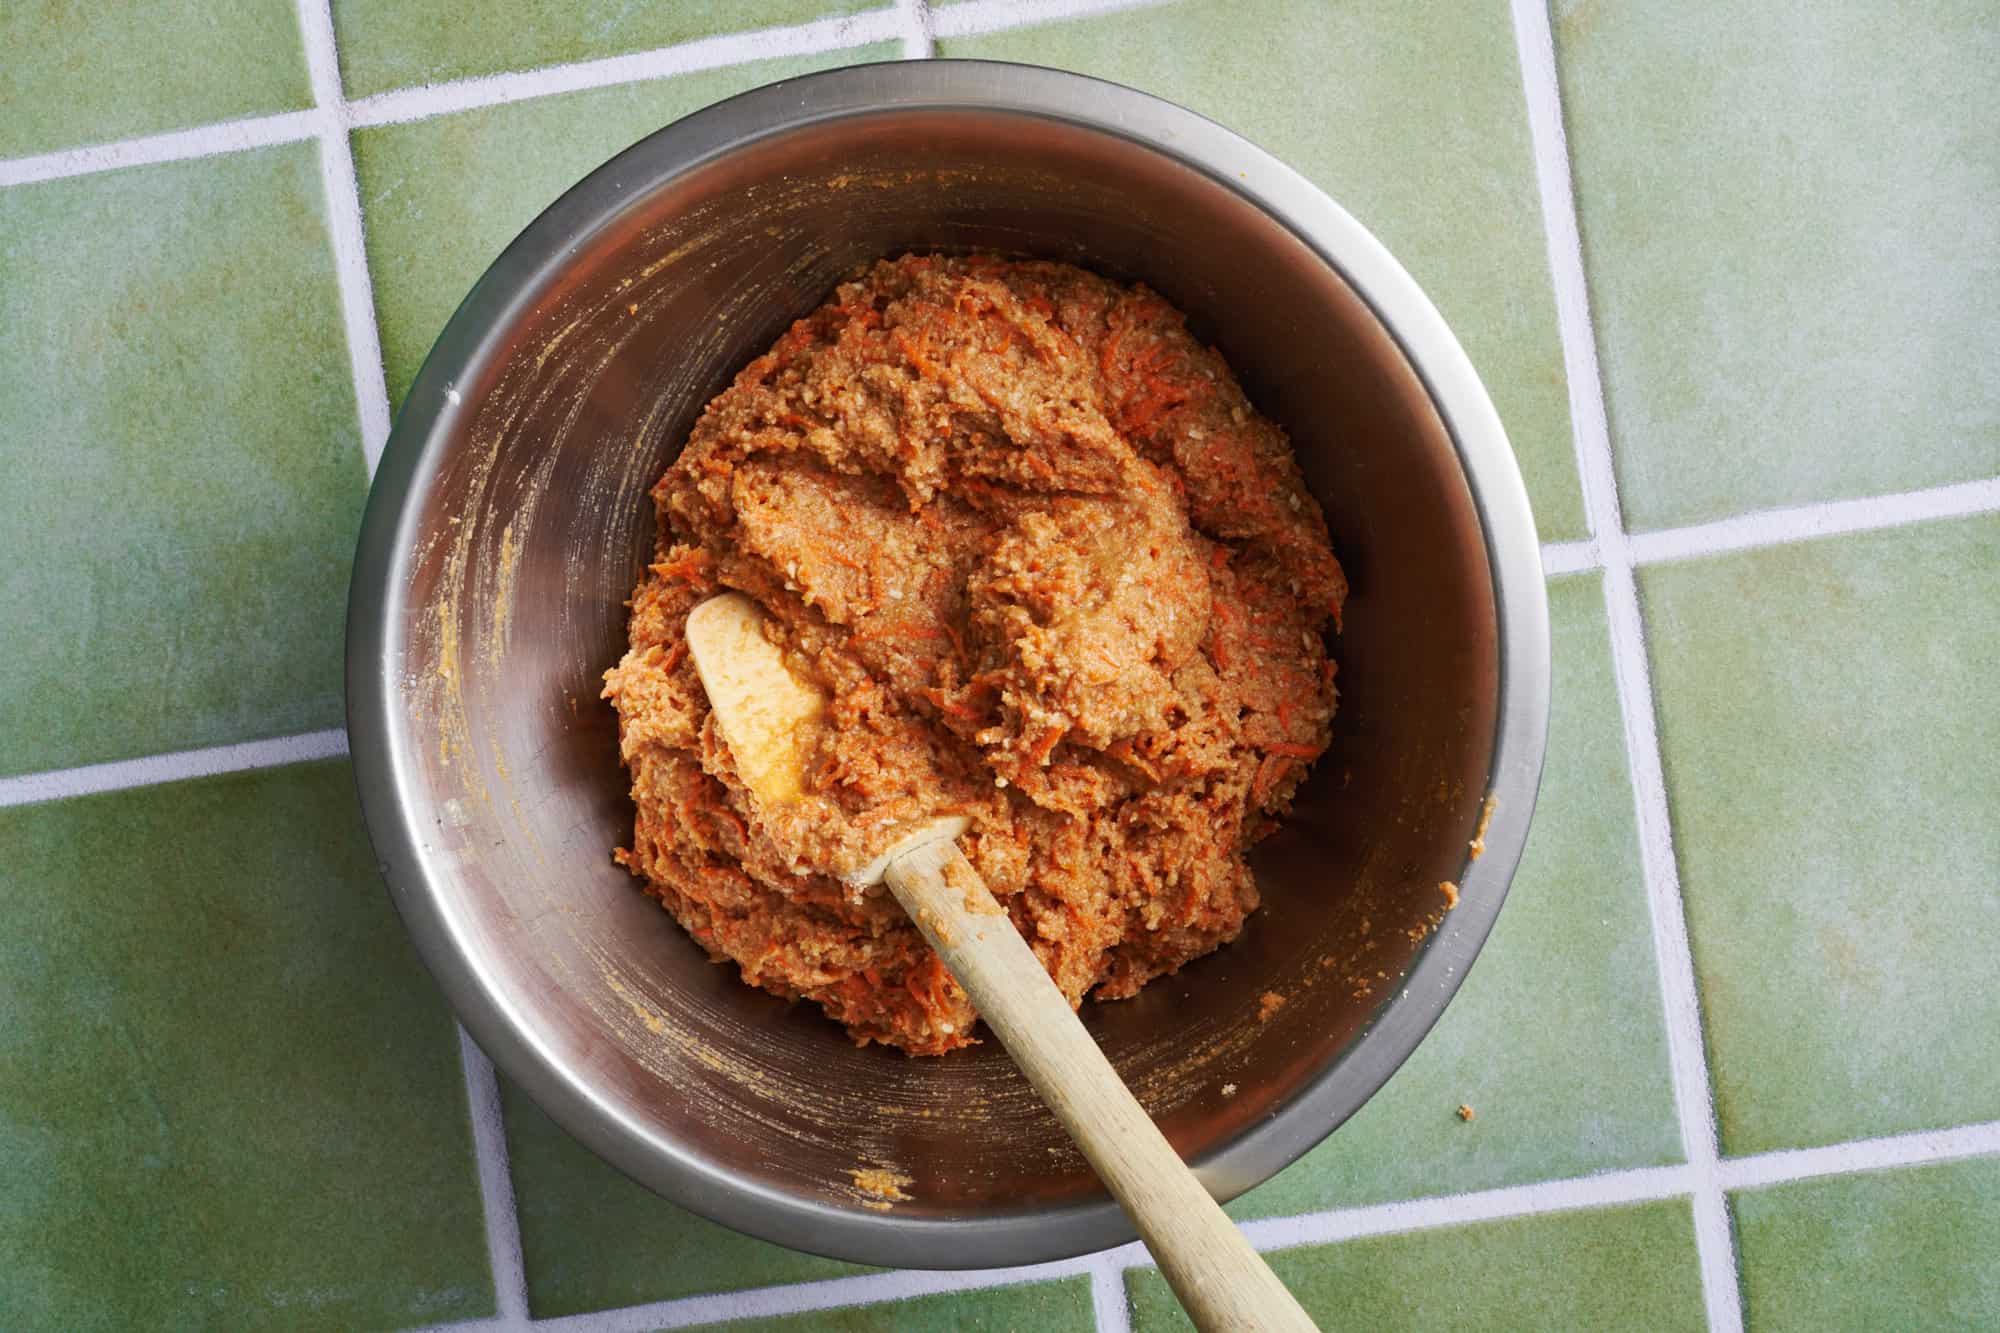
{"x":1053,"y":572}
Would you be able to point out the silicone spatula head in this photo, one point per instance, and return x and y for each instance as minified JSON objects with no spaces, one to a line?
{"x":771,"y":718}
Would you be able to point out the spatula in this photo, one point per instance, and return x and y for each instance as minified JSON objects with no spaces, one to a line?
{"x":765,"y":713}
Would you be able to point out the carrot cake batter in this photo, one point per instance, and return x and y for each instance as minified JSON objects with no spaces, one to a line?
{"x":1053,"y":572}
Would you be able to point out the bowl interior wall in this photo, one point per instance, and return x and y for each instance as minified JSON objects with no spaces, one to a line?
{"x":538,"y":522}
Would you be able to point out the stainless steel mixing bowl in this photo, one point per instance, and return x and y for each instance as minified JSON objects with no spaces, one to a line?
{"x":510,"y":520}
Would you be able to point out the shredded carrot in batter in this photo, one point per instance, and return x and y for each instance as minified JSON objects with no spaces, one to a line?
{"x":999,"y":511}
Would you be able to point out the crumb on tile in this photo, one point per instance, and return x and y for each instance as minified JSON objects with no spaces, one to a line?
{"x":1465,"y":1112}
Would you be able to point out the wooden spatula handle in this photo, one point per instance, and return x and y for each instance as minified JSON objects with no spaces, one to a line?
{"x":1222,"y":1282}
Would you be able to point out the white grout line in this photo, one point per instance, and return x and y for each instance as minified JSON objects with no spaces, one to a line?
{"x":229,"y":136}
{"x":981,"y":16}
{"x":1107,"y":1269}
{"x":1777,"y":527}
{"x":1108,"y":1306}
{"x":61,"y":784}
{"x":1565,"y":254}
{"x":833,"y":1293}
{"x":916,"y":26}
{"x":1920,"y":1149}
{"x":912,"y":23}
{"x":496,"y":1184}
{"x":821,"y":35}
{"x":1607,"y":1190}
{"x":906,"y":23}
{"x":1693,"y":1096}
{"x":1560,"y":558}
{"x":350,"y":247}
{"x":1805,"y":522}
{"x":371,"y":396}
{"x":918,"y":42}
{"x":1770,"y":527}
{"x":1694,"y":1101}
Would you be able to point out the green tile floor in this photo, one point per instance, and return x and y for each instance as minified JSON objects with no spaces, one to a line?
{"x":1733,"y":1047}
{"x":1789,"y":219}
{"x":1837,"y":849}
{"x":184,"y":474}
{"x":388,"y":44}
{"x":170,"y":1158}
{"x":1603,"y":1269}
{"x":71,"y":78}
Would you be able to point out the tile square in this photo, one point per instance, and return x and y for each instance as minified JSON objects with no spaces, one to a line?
{"x":593,"y":1239}
{"x":88,"y":74}
{"x":388,"y":44}
{"x":1440,"y":168}
{"x":1043,"y":1307}
{"x":1605,"y":1269}
{"x":1789,"y":216}
{"x":184,"y":477}
{"x":1910,"y":1249}
{"x":1556,"y":1040}
{"x":232,"y":1096}
{"x":443,"y":197}
{"x":1829,"y":715}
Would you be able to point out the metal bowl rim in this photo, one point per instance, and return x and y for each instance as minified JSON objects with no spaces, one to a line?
{"x":509,"y":288}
